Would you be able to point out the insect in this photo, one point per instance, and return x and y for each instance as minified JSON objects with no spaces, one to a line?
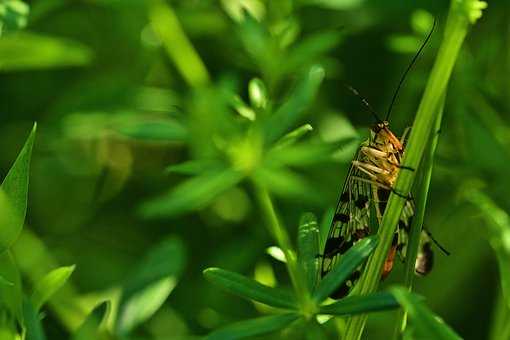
{"x":364,"y":196}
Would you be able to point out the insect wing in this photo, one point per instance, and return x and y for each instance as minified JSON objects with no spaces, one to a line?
{"x":350,"y":223}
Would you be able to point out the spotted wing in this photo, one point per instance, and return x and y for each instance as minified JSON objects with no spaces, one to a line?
{"x":425,"y":257}
{"x":350,"y":222}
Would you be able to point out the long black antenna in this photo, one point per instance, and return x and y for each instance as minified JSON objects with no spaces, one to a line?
{"x":364,"y":101}
{"x":409,"y":68}
{"x":446,"y":252}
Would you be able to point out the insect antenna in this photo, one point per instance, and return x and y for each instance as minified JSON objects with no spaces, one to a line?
{"x":446,"y":252}
{"x":364,"y":101}
{"x":413,"y":61}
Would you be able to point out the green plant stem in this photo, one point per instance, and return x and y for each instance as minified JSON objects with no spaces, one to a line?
{"x":416,"y":225}
{"x":165,"y":23}
{"x":282,"y":239}
{"x":456,"y":29}
{"x":500,"y":328}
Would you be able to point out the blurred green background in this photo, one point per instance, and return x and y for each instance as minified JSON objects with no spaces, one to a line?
{"x":124,"y":89}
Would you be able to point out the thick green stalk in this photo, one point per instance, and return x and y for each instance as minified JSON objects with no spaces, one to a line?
{"x":416,"y":225}
{"x":457,"y":25}
{"x":282,"y":239}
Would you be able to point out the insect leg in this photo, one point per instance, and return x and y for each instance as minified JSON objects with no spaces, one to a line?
{"x":369,"y":168}
{"x":446,"y":252}
{"x":404,"y":135}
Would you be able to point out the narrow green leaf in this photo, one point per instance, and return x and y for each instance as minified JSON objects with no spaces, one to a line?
{"x":15,"y":187}
{"x":250,"y":289}
{"x":308,"y":248}
{"x":336,"y":4}
{"x":192,"y":194}
{"x":302,"y":154}
{"x":28,"y":51}
{"x":293,"y":136}
{"x":310,"y":49}
{"x":91,"y":327}
{"x":32,"y":322}
{"x":347,"y":264}
{"x":50,"y":284}
{"x":150,"y":284}
{"x":361,"y":304}
{"x":292,"y":110}
{"x":498,"y":232}
{"x":194,"y":167}
{"x":456,"y":29}
{"x":162,"y":130}
{"x":426,"y":324}
{"x":10,"y":294}
{"x":252,"y":327}
{"x":286,"y":183}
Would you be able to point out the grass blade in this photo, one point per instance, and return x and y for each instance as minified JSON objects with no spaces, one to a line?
{"x":457,"y":26}
{"x":247,"y":288}
{"x":258,"y":326}
{"x":91,"y":327}
{"x":348,"y":263}
{"x":150,"y":284}
{"x":352,"y":305}
{"x":498,"y":230}
{"x":308,"y":248}
{"x":30,"y":51}
{"x":14,"y":202}
{"x":426,"y":325}
{"x":32,"y":322}
{"x":11,"y":299}
{"x":49,"y":284}
{"x":192,"y":194}
{"x":290,"y":112}
{"x":162,"y":130}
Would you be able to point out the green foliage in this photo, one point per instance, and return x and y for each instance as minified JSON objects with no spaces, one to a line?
{"x":25,"y":51}
{"x":49,"y":284}
{"x":32,"y":322}
{"x":147,"y":288}
{"x":425,"y":325}
{"x":13,"y":196}
{"x":93,"y":324}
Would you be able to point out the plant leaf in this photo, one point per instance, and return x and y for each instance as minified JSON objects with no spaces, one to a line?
{"x":192,"y":194}
{"x":348,"y":263}
{"x":286,"y":183}
{"x":32,"y":322}
{"x":310,"y":49}
{"x":28,"y":51}
{"x":90,"y":329}
{"x":250,"y":289}
{"x":10,"y":294}
{"x":150,"y":284}
{"x":361,"y":304}
{"x":161,"y":130}
{"x":194,"y":167}
{"x":291,"y":111}
{"x":49,"y":284}
{"x":498,"y":231}
{"x":15,"y":187}
{"x":426,"y":324}
{"x":252,"y":327}
{"x":308,"y":248}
